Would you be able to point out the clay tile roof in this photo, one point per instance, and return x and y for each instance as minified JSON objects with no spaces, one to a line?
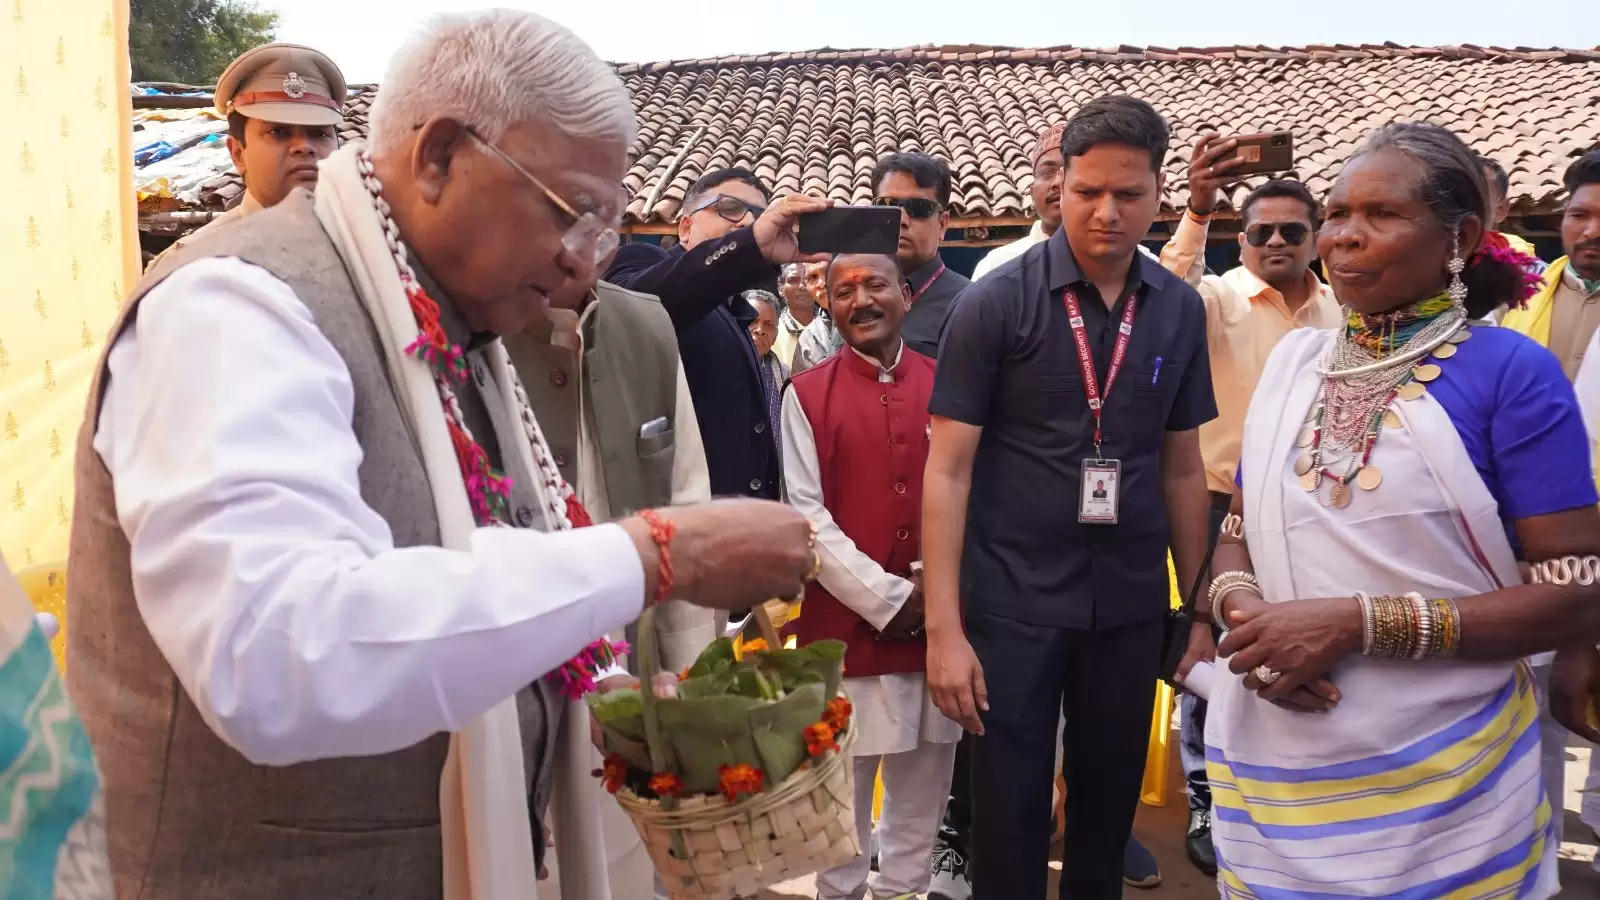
{"x":979,"y":107}
{"x":817,"y":120}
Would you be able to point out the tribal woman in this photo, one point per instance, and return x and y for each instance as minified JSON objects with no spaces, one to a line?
{"x":1398,"y":477}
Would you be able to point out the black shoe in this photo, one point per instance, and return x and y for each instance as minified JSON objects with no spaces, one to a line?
{"x":1198,"y":845}
{"x":1139,"y":868}
{"x":949,"y":875}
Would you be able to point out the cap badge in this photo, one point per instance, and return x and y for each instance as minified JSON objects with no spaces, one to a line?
{"x":293,"y":86}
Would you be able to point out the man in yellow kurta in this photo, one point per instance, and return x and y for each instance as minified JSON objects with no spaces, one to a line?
{"x":1564,"y":315}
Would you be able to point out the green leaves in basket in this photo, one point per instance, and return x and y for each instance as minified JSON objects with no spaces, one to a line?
{"x":717,"y":657}
{"x":779,"y":729}
{"x":706,"y":733}
{"x":728,"y":711}
{"x":621,"y":717}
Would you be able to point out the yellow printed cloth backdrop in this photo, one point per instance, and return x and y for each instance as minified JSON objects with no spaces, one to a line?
{"x":68,"y":248}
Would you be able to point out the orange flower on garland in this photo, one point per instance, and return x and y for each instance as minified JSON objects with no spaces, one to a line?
{"x":741,"y":779}
{"x":819,"y":739}
{"x":757,"y":645}
{"x":837,"y":714}
{"x":615,"y":772}
{"x":666,"y":784}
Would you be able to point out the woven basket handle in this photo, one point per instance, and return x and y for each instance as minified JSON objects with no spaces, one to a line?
{"x":650,"y":664}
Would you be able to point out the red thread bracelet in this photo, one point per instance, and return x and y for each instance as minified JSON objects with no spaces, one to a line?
{"x":661,"y":532}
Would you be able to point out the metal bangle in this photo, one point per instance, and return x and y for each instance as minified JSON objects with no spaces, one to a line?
{"x":1565,"y":570}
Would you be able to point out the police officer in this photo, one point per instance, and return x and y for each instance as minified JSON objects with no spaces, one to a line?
{"x":283,"y":103}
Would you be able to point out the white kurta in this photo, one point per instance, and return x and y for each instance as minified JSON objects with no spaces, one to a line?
{"x":894,"y":713}
{"x":273,"y":590}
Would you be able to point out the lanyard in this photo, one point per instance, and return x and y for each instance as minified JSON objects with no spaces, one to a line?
{"x":936,"y":273}
{"x":1091,"y":383}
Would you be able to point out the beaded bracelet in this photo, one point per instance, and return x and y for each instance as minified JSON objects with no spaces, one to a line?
{"x":1233,"y":526}
{"x":661,"y":533}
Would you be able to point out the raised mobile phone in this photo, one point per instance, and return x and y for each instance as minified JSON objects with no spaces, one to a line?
{"x":1271,"y":151}
{"x":851,"y":229}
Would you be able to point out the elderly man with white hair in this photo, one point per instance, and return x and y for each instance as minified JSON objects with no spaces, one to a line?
{"x":321,"y":545}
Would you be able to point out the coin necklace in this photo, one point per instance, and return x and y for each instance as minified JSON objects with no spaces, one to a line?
{"x":1373,"y":360}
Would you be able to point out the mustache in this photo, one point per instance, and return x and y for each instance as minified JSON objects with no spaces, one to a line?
{"x":1587,"y":245}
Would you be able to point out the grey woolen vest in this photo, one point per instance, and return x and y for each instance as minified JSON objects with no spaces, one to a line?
{"x":188,"y":817}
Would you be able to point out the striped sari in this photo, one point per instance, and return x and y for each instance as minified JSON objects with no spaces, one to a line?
{"x":1425,"y":780}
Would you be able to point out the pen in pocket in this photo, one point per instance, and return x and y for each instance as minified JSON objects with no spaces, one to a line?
{"x":1155,"y":376}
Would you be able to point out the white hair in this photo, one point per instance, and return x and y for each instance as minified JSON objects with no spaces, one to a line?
{"x":492,"y":70}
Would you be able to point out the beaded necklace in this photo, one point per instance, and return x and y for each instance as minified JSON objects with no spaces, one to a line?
{"x":488,"y":489}
{"x":1369,"y":366}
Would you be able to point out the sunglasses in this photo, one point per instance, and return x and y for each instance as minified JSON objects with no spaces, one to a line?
{"x":1294,"y":233}
{"x":915,"y":207}
{"x":730,"y":208}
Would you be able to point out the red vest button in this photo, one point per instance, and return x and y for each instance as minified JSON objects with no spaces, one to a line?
{"x":899,"y":487}
{"x":902,"y":534}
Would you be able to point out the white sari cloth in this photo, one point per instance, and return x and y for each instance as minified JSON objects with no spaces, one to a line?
{"x":1424,"y":781}
{"x":487,"y":844}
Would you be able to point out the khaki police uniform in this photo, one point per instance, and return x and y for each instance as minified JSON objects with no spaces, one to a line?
{"x":283,"y":83}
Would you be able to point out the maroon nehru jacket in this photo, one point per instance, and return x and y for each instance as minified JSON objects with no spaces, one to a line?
{"x":872,"y":445}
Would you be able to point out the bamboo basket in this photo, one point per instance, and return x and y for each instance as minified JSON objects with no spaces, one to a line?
{"x":706,"y":848}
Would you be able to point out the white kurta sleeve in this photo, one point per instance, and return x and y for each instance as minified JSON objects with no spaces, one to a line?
{"x":683,"y":628}
{"x":852,"y":577}
{"x":274,"y":591}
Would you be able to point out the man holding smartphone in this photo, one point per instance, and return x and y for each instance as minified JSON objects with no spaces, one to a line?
{"x":1248,"y":310}
{"x":729,"y":240}
{"x":919,"y":185}
{"x":1079,"y":358}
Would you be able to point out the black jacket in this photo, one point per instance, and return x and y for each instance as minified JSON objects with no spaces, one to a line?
{"x":700,"y":290}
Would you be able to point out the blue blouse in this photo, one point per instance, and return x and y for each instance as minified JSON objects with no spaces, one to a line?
{"x":1519,"y":421}
{"x":1517,"y":416}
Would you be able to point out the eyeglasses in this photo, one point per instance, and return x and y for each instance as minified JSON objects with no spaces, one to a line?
{"x":730,"y":208}
{"x":589,"y":237}
{"x":915,"y":207}
{"x":1294,"y":233}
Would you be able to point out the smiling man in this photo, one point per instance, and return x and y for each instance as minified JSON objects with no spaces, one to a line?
{"x":1248,"y":310}
{"x":863,"y":494}
{"x":1066,"y":594}
{"x":283,"y":103}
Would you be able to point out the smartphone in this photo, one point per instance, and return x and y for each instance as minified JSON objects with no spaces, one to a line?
{"x":851,"y":229}
{"x":1271,"y":151}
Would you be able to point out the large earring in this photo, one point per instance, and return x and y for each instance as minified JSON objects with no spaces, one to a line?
{"x":1457,"y":265}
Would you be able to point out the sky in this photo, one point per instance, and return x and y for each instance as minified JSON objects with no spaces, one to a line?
{"x":360,"y":38}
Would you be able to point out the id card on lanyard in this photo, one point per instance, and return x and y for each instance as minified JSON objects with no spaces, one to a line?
{"x":1102,"y":478}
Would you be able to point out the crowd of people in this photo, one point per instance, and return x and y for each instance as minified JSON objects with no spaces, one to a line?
{"x":372,"y":460}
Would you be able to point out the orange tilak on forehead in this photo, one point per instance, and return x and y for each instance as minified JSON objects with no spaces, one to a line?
{"x":852,"y":275}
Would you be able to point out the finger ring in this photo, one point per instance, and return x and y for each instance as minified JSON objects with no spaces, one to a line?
{"x":1265,"y":675}
{"x":816,"y":566}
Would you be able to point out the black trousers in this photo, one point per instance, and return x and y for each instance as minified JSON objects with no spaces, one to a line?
{"x":1104,"y":681}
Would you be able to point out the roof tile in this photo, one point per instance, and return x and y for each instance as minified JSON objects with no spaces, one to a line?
{"x":817,"y":120}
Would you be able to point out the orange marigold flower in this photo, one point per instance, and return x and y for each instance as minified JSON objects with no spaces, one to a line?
{"x":741,"y":779}
{"x":838,"y":714}
{"x":666,"y":784}
{"x":819,"y":739}
{"x":615,"y":772}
